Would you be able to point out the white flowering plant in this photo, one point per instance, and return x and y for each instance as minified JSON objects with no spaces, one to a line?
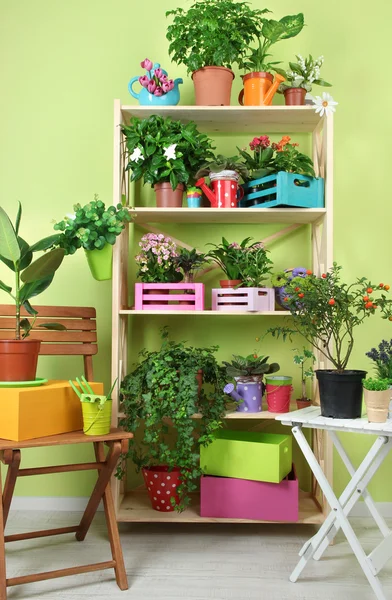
{"x":156,"y":260}
{"x":163,"y":150}
{"x":304,"y":74}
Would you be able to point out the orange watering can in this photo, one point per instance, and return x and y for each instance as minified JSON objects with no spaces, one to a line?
{"x":259,"y":88}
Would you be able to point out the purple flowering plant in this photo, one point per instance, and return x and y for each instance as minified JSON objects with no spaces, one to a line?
{"x":155,"y":260}
{"x":382,"y":357}
{"x":246,"y":262}
{"x":156,"y":80}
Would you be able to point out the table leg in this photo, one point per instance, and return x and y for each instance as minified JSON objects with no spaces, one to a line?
{"x":3,"y":580}
{"x":111,"y":522}
{"x":337,"y":511}
{"x":361,"y":491}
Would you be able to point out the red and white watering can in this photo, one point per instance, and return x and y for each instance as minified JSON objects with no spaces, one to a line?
{"x":225,"y":192}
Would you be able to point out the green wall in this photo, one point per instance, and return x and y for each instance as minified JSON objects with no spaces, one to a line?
{"x":62,"y":65}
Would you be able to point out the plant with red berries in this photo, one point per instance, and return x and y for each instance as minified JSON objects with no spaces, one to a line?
{"x":329,"y":310}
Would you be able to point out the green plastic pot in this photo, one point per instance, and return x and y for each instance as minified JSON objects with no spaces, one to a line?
{"x":96,"y":419}
{"x":100,"y":262}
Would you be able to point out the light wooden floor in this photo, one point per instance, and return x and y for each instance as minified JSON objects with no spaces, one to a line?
{"x":188,"y":562}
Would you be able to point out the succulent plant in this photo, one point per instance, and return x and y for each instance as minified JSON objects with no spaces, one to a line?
{"x":250,"y":366}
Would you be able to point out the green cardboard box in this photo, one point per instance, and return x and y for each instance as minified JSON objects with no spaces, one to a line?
{"x":248,"y":455}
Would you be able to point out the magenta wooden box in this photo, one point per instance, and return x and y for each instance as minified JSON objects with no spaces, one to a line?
{"x":228,"y":498}
{"x":169,"y":296}
{"x":243,"y":299}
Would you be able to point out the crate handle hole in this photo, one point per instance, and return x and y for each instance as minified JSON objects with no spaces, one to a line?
{"x":301,"y":183}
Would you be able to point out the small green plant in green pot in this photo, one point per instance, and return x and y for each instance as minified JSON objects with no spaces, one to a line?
{"x":96,"y":409}
{"x":377,"y":396}
{"x":94,"y":228}
{"x":166,"y":154}
{"x":19,"y":357}
{"x":160,"y":398}
{"x":208,"y":38}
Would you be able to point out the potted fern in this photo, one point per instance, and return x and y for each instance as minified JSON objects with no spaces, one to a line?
{"x":19,"y":356}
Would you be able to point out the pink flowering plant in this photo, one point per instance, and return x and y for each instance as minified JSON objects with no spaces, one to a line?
{"x":246,"y":262}
{"x":261,"y":163}
{"x":156,"y":260}
{"x":156,"y":80}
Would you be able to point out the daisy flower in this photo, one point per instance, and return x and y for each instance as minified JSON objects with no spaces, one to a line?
{"x":325,"y":104}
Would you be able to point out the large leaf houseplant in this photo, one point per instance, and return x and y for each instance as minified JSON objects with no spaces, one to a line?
{"x":327,"y":312}
{"x":18,"y":357}
{"x":160,"y":397}
{"x":209,"y":38}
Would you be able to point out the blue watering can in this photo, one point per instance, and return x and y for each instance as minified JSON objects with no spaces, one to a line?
{"x":172,"y":98}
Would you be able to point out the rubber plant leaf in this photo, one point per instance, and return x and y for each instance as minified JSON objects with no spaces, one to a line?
{"x":18,"y":218}
{"x":53,"y":326}
{"x":44,"y":266}
{"x":5,"y":288}
{"x":45,"y":243}
{"x":25,"y":256}
{"x":9,"y":247}
{"x":33,"y":288}
{"x":29,"y":308}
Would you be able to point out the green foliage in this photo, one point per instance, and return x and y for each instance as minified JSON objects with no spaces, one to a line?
{"x":249,"y":367}
{"x":223,"y":163}
{"x":189,"y":262}
{"x":163,"y":150}
{"x":376,"y":385}
{"x":326,"y":311}
{"x":159,"y":398}
{"x":213,"y":33}
{"x":156,"y":259}
{"x":302,"y":358}
{"x":92,"y":226}
{"x":272,"y":32}
{"x":247,"y":262}
{"x":291,"y":160}
{"x":304,"y":74}
{"x":31,"y":278}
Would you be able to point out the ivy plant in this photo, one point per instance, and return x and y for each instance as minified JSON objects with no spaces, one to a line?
{"x":92,"y":226}
{"x":160,"y":397}
{"x":163,"y":150}
{"x":213,"y":33}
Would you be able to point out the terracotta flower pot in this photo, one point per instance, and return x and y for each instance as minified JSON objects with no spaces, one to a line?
{"x":230,"y":283}
{"x":256,"y":86}
{"x":294,"y":96}
{"x":301,"y":403}
{"x":166,"y":197}
{"x":18,"y":359}
{"x":377,"y":405}
{"x":213,"y":86}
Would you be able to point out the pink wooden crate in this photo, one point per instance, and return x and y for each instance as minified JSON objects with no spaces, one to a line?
{"x":228,"y":498}
{"x":167,"y":296}
{"x":243,"y":299}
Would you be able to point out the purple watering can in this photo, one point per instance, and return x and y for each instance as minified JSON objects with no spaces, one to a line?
{"x":248,"y":394}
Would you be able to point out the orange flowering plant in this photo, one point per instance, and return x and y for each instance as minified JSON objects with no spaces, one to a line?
{"x":326,"y":311}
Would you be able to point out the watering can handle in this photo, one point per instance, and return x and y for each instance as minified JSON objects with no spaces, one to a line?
{"x":130,"y":87}
{"x":94,"y":420}
{"x":240,"y":193}
{"x":241,"y":97}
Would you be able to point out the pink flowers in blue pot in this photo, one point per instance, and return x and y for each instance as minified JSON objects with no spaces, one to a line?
{"x":157,"y":88}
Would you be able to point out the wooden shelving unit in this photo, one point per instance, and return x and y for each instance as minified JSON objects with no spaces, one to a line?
{"x":134,"y":506}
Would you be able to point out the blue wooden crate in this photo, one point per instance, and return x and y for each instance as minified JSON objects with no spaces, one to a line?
{"x":284,"y":190}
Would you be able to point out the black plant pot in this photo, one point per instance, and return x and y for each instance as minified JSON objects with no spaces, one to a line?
{"x":340,"y":393}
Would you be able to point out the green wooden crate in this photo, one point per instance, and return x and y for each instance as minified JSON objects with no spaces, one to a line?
{"x":248,"y":455}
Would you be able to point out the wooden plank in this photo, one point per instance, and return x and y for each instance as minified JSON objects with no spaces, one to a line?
{"x":55,"y":336}
{"x":68,"y":349}
{"x":110,"y":564}
{"x":30,"y":535}
{"x":58,"y":469}
{"x":73,"y":437}
{"x":8,"y":310}
{"x":207,"y":313}
{"x":70,"y":324}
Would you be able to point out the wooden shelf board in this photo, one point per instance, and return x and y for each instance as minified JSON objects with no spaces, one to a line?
{"x":240,"y":416}
{"x":227,"y":215}
{"x":136,"y":507}
{"x":235,"y":119}
{"x":205,"y":313}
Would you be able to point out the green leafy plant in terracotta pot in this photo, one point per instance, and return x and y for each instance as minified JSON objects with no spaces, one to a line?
{"x":94,"y":228}
{"x":166,"y":154}
{"x":326,"y":311}
{"x":377,"y":395}
{"x":259,"y":85}
{"x":18,"y":357}
{"x":208,"y":38}
{"x":160,"y":398}
{"x":244,"y":264}
{"x":300,"y":78}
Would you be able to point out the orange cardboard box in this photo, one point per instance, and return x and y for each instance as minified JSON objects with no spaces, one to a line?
{"x":27,"y":413}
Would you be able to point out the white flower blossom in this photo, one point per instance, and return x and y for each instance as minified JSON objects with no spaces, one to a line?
{"x":325,"y":104}
{"x":170,"y":152}
{"x":136,"y":155}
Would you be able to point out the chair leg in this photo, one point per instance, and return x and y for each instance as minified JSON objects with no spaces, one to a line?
{"x":13,"y":468}
{"x":3,"y":580}
{"x":103,"y":480}
{"x":111,"y":522}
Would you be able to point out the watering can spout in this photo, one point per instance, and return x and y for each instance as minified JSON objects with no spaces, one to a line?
{"x":229,"y":389}
{"x":208,"y":192}
{"x":273,"y":89}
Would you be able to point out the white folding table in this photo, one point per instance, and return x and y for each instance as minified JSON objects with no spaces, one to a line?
{"x":341,"y":507}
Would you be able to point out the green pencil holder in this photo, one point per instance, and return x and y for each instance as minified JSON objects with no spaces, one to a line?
{"x":96,"y":418}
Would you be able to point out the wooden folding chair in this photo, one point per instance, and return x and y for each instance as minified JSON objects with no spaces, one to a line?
{"x":79,"y":339}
